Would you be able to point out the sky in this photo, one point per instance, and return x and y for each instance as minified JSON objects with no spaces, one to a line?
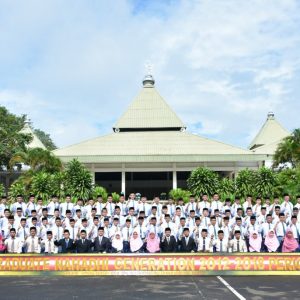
{"x":74,"y":66}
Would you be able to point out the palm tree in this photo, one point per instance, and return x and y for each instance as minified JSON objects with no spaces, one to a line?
{"x":38,"y":160}
{"x":288,"y":151}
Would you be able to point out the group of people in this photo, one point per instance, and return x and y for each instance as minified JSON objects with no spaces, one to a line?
{"x":136,"y":225}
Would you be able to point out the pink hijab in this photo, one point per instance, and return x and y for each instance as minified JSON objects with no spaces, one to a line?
{"x":2,"y":245}
{"x":153,"y":243}
{"x":289,"y":243}
{"x":255,"y":244}
{"x":135,"y":243}
{"x":271,"y":242}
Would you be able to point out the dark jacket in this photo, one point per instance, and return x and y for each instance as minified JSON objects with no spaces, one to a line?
{"x":191,"y":246}
{"x":168,"y":247}
{"x":103,"y":247}
{"x":85,"y":247}
{"x":70,"y":248}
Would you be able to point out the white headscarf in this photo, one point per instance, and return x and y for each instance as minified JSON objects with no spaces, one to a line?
{"x":117,"y":241}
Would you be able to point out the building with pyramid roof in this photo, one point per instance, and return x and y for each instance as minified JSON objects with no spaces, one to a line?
{"x":150,"y":151}
{"x":36,"y":142}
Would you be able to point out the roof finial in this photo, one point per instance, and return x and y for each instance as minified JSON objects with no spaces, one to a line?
{"x":27,"y":121}
{"x":271,"y":115}
{"x":148,"y":79}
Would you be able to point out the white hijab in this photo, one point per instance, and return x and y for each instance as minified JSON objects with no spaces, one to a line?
{"x":117,"y":241}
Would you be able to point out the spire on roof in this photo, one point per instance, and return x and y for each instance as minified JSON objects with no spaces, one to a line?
{"x":149,"y":111}
{"x":272,"y":131}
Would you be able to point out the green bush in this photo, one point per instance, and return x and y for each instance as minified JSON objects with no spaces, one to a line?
{"x":180,"y":193}
{"x":203,"y":180}
{"x":245,"y":182}
{"x":227,"y":188}
{"x":265,"y":182}
{"x":17,"y":188}
{"x":2,"y":189}
{"x":99,"y":190}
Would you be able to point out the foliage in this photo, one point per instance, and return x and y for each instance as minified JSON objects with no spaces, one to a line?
{"x":41,"y":185}
{"x":203,"y":180}
{"x":115,"y":197}
{"x":288,"y":181}
{"x":288,"y":151}
{"x":180,"y":193}
{"x":99,"y":190}
{"x":227,"y":188}
{"x":17,"y":188}
{"x":2,"y":189}
{"x":11,"y":140}
{"x":38,"y":160}
{"x":265,"y":182}
{"x":78,"y":180}
{"x":245,"y":182}
{"x":45,"y":139}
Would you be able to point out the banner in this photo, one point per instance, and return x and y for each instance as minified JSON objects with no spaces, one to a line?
{"x":148,"y":264}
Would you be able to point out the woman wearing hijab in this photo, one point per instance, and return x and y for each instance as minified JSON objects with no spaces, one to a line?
{"x":255,"y":242}
{"x":136,"y":243}
{"x":271,"y":241}
{"x":117,"y":243}
{"x":153,"y":243}
{"x":290,"y":244}
{"x":2,"y":245}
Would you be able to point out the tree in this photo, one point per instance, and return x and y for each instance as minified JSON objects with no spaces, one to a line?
{"x":245,"y":182}
{"x":38,"y":160}
{"x":265,"y":182}
{"x":45,"y":139}
{"x":11,"y":140}
{"x":2,"y":189}
{"x":78,"y":180}
{"x":288,"y":151}
{"x":227,"y":188}
{"x":203,"y":180}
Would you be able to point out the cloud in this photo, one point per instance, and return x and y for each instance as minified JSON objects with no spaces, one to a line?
{"x":75,"y":66}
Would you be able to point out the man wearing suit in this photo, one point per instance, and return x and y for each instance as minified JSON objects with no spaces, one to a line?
{"x":101,"y":243}
{"x":66,"y":244}
{"x":187,"y":243}
{"x":168,"y":242}
{"x":83,"y":245}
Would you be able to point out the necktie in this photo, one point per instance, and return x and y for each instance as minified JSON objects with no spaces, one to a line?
{"x":49,"y":246}
{"x":110,"y":208}
{"x":128,"y":234}
{"x":100,"y":240}
{"x":141,"y":232}
{"x":83,"y":241}
{"x":168,"y":240}
{"x":238,"y":246}
{"x":269,"y":226}
{"x":203,"y":245}
{"x":144,"y":207}
{"x":215,"y":232}
{"x":221,"y":246}
{"x":13,"y":246}
{"x":68,"y":206}
{"x":24,"y":233}
{"x":32,"y":245}
{"x":283,"y":228}
{"x":205,"y":221}
{"x":217,"y":205}
{"x":67,"y":243}
{"x":73,"y":233}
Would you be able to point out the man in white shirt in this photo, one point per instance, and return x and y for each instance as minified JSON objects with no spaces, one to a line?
{"x":13,"y":244}
{"x":122,"y":205}
{"x":237,"y":244}
{"x":126,"y":234}
{"x":141,"y":227}
{"x":19,"y":203}
{"x":213,"y":228}
{"x":220,"y":244}
{"x":295,"y":227}
{"x":203,"y":204}
{"x":205,"y":220}
{"x":144,"y":206}
{"x":286,"y":207}
{"x":53,"y":204}
{"x":267,"y":226}
{"x":216,"y":203}
{"x":57,"y":229}
{"x":191,"y":205}
{"x":171,"y":207}
{"x":203,"y":242}
{"x":32,"y":243}
{"x":73,"y":230}
{"x":67,"y":205}
{"x":48,"y":244}
{"x":110,"y":206}
{"x":280,"y":227}
{"x":3,"y":206}
{"x":31,"y":205}
{"x":247,"y":203}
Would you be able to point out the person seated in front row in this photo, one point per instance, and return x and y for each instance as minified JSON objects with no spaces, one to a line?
{"x":152,"y":243}
{"x":117,"y":243}
{"x":136,"y":243}
{"x":168,"y":242}
{"x":187,"y":243}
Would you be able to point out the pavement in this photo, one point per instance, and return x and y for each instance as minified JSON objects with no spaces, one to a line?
{"x":150,"y":287}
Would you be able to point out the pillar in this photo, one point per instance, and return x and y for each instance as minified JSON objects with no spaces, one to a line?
{"x":123,"y":184}
{"x":174,"y":179}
